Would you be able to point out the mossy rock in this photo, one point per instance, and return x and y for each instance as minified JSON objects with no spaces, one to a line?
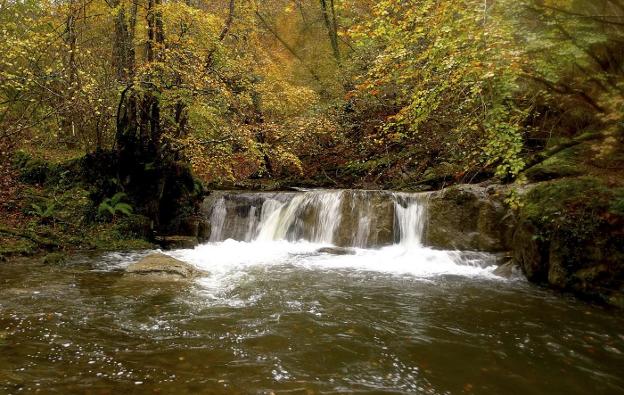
{"x":572,"y":237}
{"x":55,"y":258}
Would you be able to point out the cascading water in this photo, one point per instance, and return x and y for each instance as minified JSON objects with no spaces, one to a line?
{"x":345,"y":218}
{"x":217,"y":219}
{"x":378,"y":231}
{"x":411,"y":216}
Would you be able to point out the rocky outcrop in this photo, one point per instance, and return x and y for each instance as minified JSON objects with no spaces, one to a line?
{"x":161,"y":266}
{"x":177,"y":242}
{"x":571,"y":237}
{"x":469,"y":217}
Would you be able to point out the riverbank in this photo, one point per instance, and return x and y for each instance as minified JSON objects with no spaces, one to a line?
{"x":51,"y":209}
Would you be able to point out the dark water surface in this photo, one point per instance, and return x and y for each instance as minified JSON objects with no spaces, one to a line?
{"x":284,"y":329}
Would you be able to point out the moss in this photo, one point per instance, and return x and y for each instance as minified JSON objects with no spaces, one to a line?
{"x":37,"y":171}
{"x":135,"y":226}
{"x":577,"y":203}
{"x":617,"y":204}
{"x":576,"y":226}
{"x":563,"y":164}
{"x":11,"y":246}
{"x":55,"y":258}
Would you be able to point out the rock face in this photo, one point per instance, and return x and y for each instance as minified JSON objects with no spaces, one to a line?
{"x":177,"y":242}
{"x":161,"y":266}
{"x":367,"y":220}
{"x":571,"y":237}
{"x":469,"y":217}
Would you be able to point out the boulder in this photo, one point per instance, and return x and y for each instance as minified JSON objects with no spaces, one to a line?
{"x":162,"y":266}
{"x":507,"y":270}
{"x":571,"y":237}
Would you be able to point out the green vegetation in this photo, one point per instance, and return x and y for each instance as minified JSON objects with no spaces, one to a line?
{"x":114,"y":206}
{"x":578,"y":206}
{"x":58,"y":213}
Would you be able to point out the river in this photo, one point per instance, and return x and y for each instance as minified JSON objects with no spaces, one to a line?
{"x":275,"y":313}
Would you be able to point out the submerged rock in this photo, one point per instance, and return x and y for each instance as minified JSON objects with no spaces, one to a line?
{"x":336,"y":251}
{"x":162,"y":266}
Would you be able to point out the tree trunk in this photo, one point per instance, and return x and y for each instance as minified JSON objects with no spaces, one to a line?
{"x":332,"y":27}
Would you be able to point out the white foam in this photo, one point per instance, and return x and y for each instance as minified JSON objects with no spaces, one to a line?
{"x":229,"y":262}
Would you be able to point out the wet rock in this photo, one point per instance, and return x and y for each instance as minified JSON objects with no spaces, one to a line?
{"x":177,"y":242}
{"x":530,"y":252}
{"x":336,"y":251}
{"x":571,"y":237}
{"x":366,"y":220}
{"x":203,"y":230}
{"x":162,"y":266}
{"x":469,"y":217}
{"x":507,"y":270}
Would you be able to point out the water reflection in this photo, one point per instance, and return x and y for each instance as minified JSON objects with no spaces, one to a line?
{"x":295,"y":329}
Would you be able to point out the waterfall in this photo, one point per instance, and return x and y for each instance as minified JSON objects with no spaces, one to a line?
{"x":371,"y":231}
{"x":217,"y":219}
{"x":291,"y":220}
{"x":411,"y":216}
{"x":344,"y":218}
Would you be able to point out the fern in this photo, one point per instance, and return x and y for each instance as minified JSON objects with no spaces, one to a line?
{"x":45,"y":211}
{"x":115,"y":205}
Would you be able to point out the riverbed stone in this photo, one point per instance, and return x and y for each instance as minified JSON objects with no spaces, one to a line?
{"x":162,"y":266}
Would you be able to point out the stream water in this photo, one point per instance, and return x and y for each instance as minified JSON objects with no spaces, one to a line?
{"x":277,"y":314}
